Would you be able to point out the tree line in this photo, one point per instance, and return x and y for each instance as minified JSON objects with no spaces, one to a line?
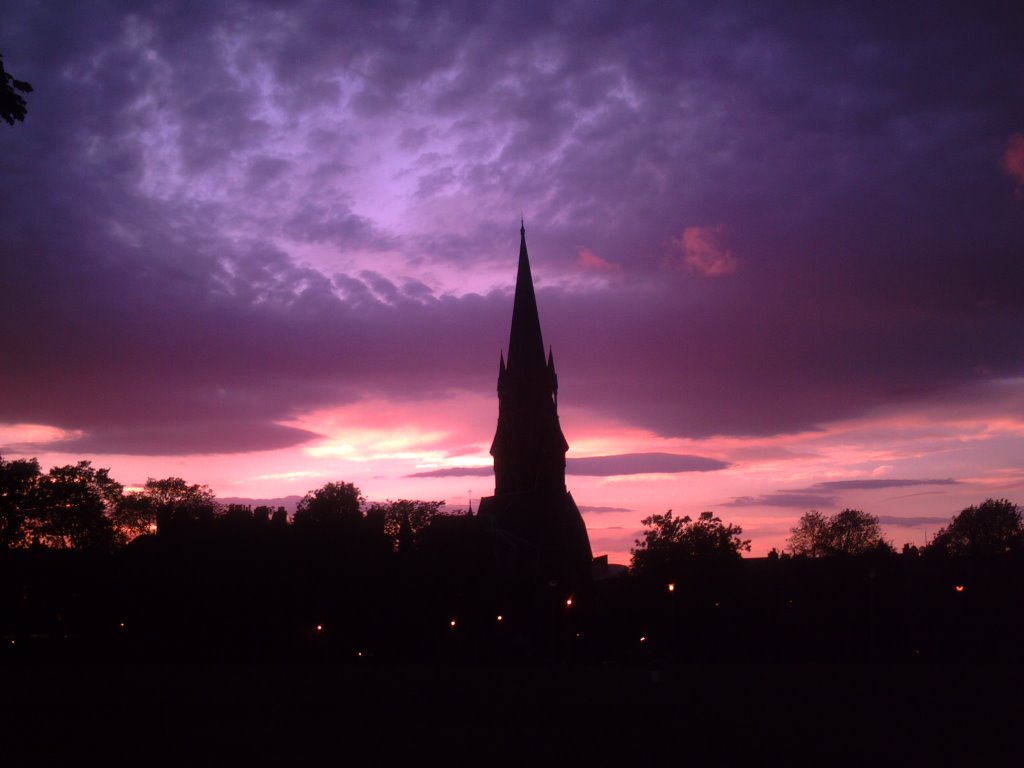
{"x":79,"y":506}
{"x":994,"y":527}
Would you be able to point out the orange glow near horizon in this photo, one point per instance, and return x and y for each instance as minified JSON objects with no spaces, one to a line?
{"x":378,"y":445}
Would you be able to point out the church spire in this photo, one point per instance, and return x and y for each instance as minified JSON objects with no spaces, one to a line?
{"x":525,"y":345}
{"x":531,"y":503}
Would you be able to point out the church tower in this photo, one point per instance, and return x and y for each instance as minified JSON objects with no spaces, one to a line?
{"x":530,"y":501}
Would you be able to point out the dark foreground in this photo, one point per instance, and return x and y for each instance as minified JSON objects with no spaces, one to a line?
{"x":294,"y":714}
{"x":152,"y":657}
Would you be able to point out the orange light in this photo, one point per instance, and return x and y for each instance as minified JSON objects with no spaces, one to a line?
{"x":121,"y":625}
{"x":671,"y":587}
{"x":359,"y":653}
{"x":959,"y":587}
{"x":568,"y":603}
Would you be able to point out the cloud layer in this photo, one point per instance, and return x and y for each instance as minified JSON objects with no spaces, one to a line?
{"x":742,"y":222}
{"x":605,"y":466}
{"x":825,"y":494}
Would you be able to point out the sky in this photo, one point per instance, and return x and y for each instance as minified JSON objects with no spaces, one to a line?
{"x":778,"y":250}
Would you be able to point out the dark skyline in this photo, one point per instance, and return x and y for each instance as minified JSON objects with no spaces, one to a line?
{"x":263,"y":249}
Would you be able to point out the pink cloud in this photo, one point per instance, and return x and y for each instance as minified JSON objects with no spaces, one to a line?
{"x":589,"y":260}
{"x":1013,"y":158}
{"x":699,"y":250}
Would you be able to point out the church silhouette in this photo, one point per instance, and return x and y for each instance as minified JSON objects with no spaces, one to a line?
{"x":531,"y":504}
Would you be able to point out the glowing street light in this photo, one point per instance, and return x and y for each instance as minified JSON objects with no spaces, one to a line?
{"x":671,"y":587}
{"x":452,"y":623}
{"x":319,"y":627}
{"x":500,"y":617}
{"x":568,"y":602}
{"x":959,"y":587}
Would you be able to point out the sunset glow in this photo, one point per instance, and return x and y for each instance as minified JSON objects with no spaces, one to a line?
{"x":779,"y":268}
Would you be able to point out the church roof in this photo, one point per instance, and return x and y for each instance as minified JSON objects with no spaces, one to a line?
{"x":525,"y":345}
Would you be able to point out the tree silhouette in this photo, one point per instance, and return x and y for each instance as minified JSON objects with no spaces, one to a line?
{"x":74,"y":506}
{"x":135,"y":515}
{"x":330,"y":504}
{"x":404,"y":520}
{"x":174,"y":500}
{"x":671,"y":539}
{"x":850,"y":532}
{"x":12,"y":103}
{"x":994,"y":527}
{"x":810,"y":536}
{"x":18,"y":500}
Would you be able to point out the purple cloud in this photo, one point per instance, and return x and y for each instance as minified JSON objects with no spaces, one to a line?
{"x":879,"y":483}
{"x":824,"y":494}
{"x":606,"y":466}
{"x":640,"y":464}
{"x":230,"y":216}
{"x":456,"y":472}
{"x":783,"y":499}
{"x":913,"y":521}
{"x":601,"y":510}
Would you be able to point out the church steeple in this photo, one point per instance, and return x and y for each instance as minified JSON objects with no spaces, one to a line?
{"x":529,"y":447}
{"x":531,"y":503}
{"x":525,"y":344}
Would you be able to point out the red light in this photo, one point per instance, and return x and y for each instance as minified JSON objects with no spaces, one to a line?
{"x":959,"y":587}
{"x":319,"y":627}
{"x":568,"y":603}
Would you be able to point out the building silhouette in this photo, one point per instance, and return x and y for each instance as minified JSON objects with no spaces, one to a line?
{"x":531,"y":505}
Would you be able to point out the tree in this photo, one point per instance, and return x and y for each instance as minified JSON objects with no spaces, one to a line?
{"x":73,"y":508}
{"x":809,"y":537}
{"x":19,"y":480}
{"x":994,"y":527}
{"x":134,"y":516}
{"x":171,"y":500}
{"x":854,"y":532}
{"x":12,"y":103}
{"x":850,"y":532}
{"x":671,"y":539}
{"x":331,"y":504}
{"x":404,"y":520}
